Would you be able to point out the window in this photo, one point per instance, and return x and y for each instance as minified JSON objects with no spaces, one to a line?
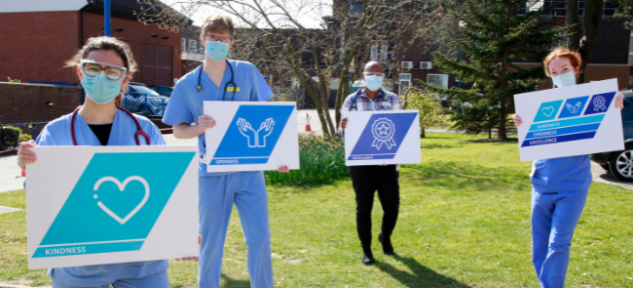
{"x":334,"y":82}
{"x":438,"y":80}
{"x":183,"y":45}
{"x":379,"y":51}
{"x":156,"y":65}
{"x":193,"y":46}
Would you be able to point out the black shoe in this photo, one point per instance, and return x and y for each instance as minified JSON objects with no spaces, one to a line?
{"x":387,"y":248}
{"x":368,"y":258}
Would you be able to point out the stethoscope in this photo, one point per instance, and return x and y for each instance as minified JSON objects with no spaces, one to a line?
{"x":353,"y":105}
{"x":139,"y":130}
{"x":226,"y":86}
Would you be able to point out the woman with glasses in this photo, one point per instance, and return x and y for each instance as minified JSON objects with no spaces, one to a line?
{"x":220,"y":79}
{"x":105,"y":66}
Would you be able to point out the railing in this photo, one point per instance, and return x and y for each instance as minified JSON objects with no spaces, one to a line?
{"x":29,"y":125}
{"x":559,"y":8}
{"x":55,"y":83}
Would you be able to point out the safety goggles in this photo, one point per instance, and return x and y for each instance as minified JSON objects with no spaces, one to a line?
{"x":213,"y":37}
{"x":379,"y":74}
{"x":92,"y":69}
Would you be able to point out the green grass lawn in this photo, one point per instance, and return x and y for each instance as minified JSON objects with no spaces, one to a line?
{"x":464,"y":222}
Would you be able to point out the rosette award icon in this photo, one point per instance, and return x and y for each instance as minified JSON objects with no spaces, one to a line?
{"x":383,"y":130}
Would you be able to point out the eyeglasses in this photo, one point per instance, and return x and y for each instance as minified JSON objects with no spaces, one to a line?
{"x":92,"y":69}
{"x":379,"y":74}
{"x":213,"y":37}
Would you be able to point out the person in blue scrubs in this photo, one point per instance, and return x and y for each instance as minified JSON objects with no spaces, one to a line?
{"x":105,"y":66}
{"x":559,"y":188}
{"x":219,"y":79}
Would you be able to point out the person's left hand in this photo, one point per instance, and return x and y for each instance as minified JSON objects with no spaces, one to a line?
{"x":283,"y":169}
{"x":619,"y":101}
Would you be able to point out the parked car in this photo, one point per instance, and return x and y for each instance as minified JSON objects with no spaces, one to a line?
{"x":162,"y":90}
{"x":620,"y":163}
{"x":140,"y":99}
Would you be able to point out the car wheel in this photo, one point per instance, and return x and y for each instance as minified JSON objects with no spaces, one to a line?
{"x":621,"y":165}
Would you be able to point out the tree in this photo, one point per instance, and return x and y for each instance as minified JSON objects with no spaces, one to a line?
{"x":431,"y":110}
{"x":625,"y":10}
{"x":493,"y":37}
{"x":279,"y":44}
{"x":592,"y":16}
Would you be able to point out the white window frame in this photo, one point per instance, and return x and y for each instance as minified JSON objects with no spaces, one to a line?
{"x":193,"y":46}
{"x":183,"y":44}
{"x":444,"y":82}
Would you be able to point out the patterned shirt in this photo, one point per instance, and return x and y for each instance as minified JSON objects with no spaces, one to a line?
{"x":385,"y":100}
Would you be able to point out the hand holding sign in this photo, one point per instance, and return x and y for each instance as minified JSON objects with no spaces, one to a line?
{"x":252,"y":136}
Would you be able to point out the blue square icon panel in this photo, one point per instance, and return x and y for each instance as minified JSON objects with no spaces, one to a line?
{"x":600,"y":103}
{"x":573,"y":107}
{"x":548,"y":111}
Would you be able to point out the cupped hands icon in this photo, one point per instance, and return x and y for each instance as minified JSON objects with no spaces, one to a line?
{"x":256,"y":138}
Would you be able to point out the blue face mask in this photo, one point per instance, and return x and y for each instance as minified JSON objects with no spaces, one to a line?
{"x":217,"y":50}
{"x":100,"y":89}
{"x":373,"y":83}
{"x":564,"y":80}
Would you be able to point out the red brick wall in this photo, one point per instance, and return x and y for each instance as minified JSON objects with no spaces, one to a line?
{"x":136,"y":34}
{"x":25,"y":103}
{"x":34,"y":46}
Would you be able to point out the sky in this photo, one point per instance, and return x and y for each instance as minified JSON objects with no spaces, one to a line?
{"x":311,"y":19}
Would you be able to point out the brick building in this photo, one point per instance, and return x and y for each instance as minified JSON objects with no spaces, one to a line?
{"x":612,"y":57}
{"x":38,"y":36}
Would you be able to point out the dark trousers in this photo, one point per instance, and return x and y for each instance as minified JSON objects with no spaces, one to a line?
{"x":366,"y":180}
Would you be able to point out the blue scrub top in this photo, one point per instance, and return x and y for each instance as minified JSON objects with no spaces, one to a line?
{"x":566,"y":174}
{"x":185,"y":105}
{"x":57,"y":133}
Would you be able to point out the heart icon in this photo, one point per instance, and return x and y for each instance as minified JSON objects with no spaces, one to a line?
{"x":548,"y":111}
{"x":121,"y":188}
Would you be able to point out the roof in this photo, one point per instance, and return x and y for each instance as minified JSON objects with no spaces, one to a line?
{"x":41,"y":6}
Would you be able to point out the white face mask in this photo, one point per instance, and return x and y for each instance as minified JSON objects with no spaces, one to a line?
{"x":373,"y":83}
{"x":565,"y":79}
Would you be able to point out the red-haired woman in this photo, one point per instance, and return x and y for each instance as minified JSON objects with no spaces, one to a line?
{"x":559,"y":188}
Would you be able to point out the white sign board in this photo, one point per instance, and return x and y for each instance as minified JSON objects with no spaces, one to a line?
{"x":251,"y":136}
{"x":569,"y":121}
{"x":382,"y":137}
{"x":90,"y":205}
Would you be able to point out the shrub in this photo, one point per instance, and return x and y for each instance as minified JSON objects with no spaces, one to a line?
{"x":322,"y":162}
{"x":24,"y":137}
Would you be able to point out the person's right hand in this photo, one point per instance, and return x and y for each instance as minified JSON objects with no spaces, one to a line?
{"x":344,"y":123}
{"x":205,"y":122}
{"x":26,"y":155}
{"x":517,"y":120}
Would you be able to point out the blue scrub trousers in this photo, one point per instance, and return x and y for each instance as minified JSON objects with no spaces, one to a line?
{"x":159,"y":280}
{"x":216,"y":197}
{"x":554,"y":218}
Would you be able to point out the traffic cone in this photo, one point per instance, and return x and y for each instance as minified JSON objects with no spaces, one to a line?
{"x":308,"y":123}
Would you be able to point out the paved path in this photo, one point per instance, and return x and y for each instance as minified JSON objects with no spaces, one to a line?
{"x":602,"y":176}
{"x":10,"y":178}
